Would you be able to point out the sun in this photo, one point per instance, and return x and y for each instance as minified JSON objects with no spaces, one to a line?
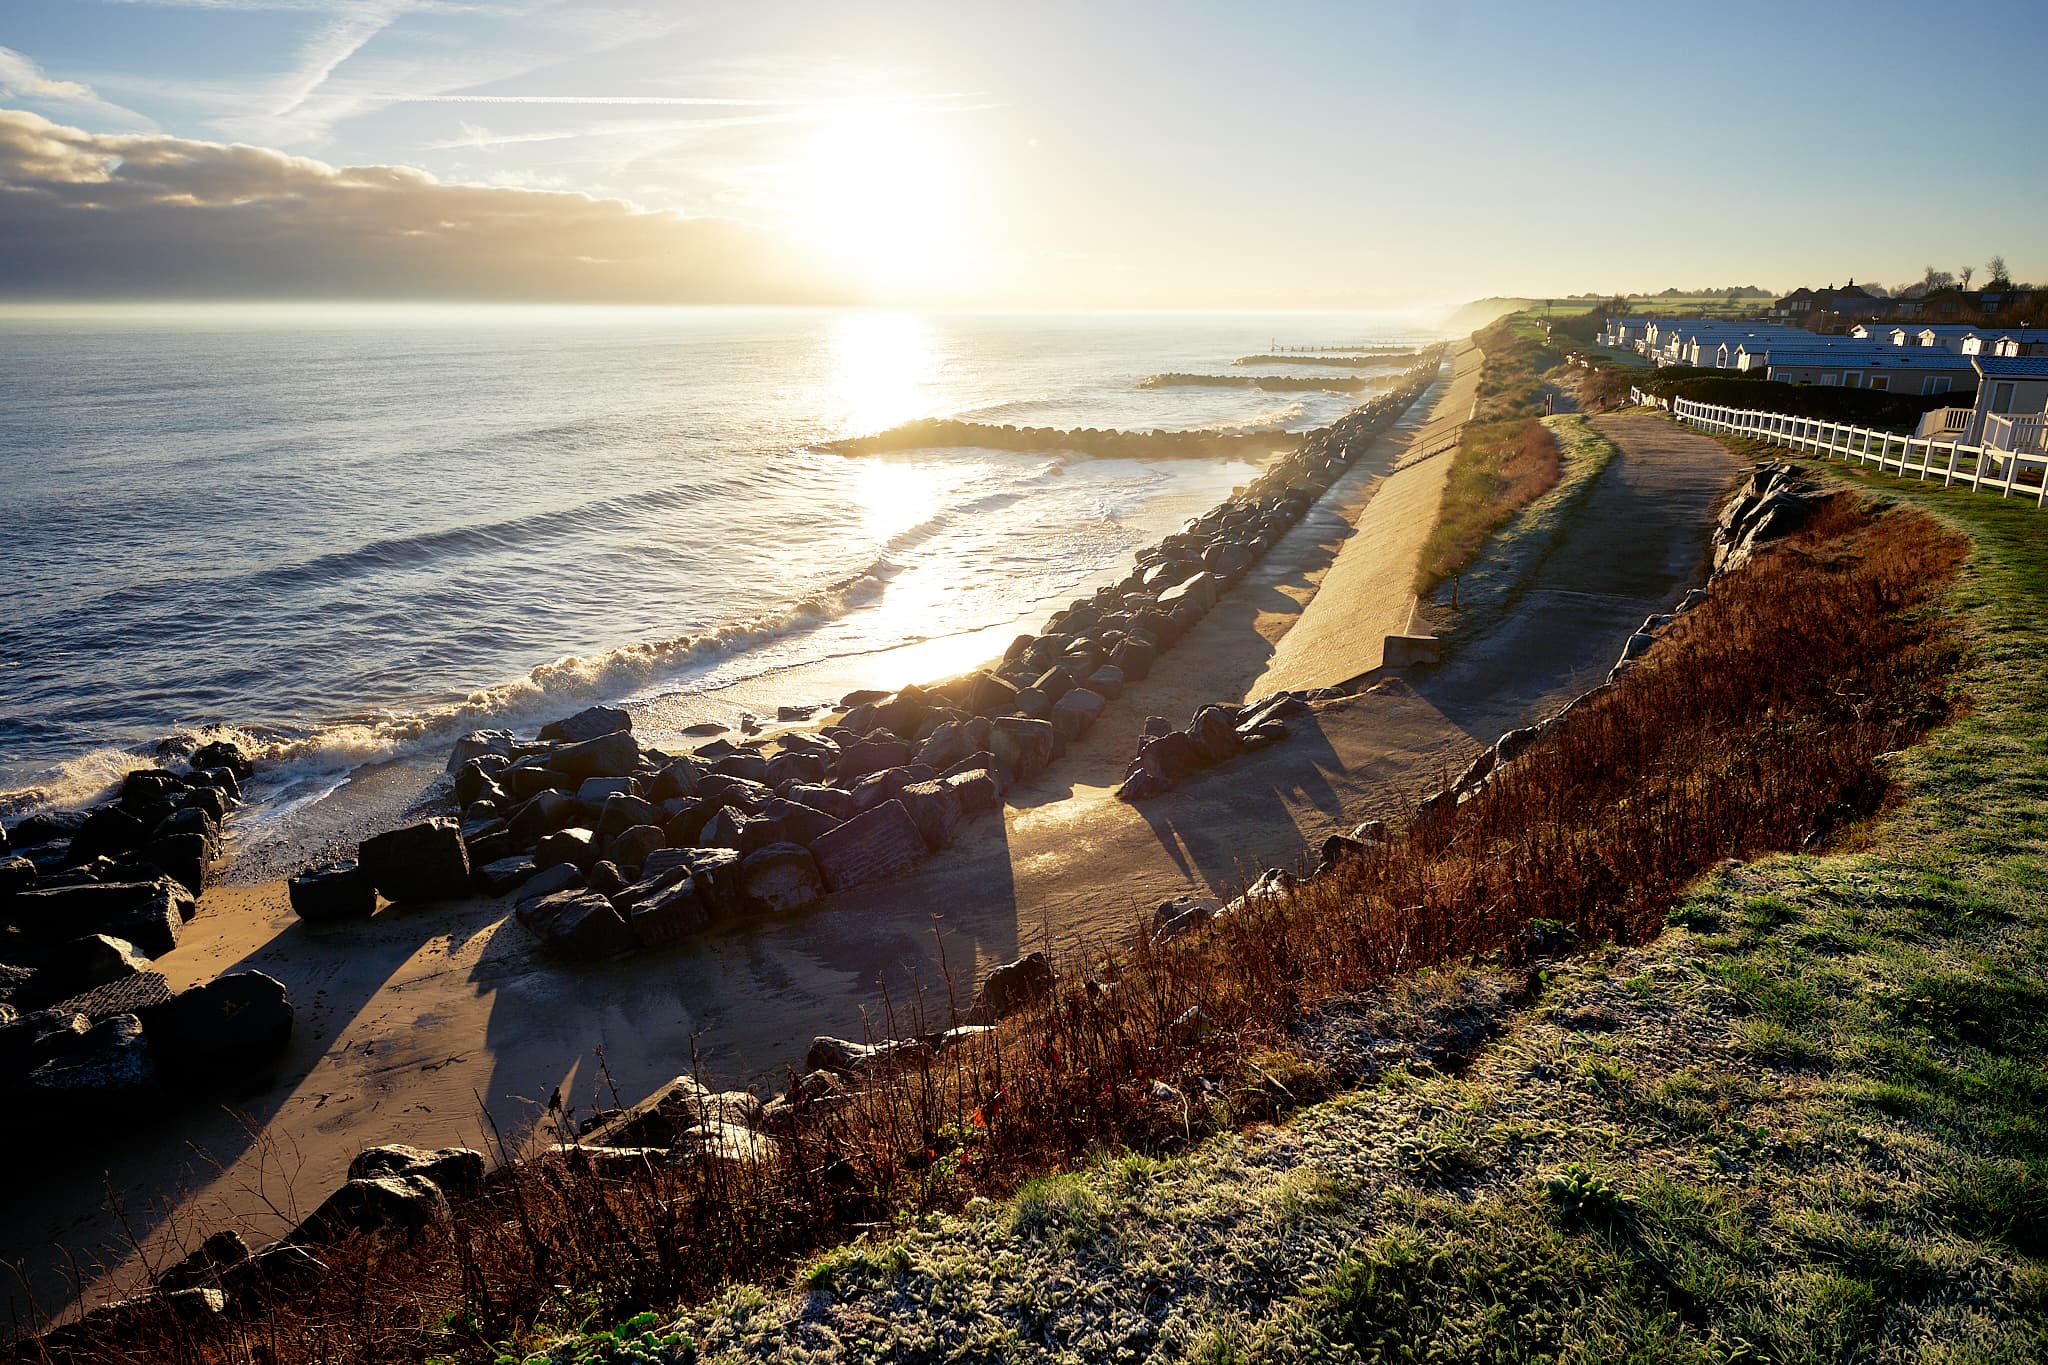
{"x":878,"y":194}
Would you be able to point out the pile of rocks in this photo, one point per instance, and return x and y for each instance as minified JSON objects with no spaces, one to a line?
{"x":1776,"y":501}
{"x":88,"y":900}
{"x":612,"y":847}
{"x":1217,"y":734}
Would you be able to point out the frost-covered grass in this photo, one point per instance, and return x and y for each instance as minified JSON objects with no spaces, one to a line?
{"x":1809,"y":1122}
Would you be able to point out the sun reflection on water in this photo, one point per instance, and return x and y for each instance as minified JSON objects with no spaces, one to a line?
{"x":884,"y":366}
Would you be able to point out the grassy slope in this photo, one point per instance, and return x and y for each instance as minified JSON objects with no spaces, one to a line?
{"x":1806,"y":1125}
{"x":1494,"y":579}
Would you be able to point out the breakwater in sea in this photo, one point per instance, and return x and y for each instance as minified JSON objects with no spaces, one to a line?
{"x":930,"y":432}
{"x":1270,"y":383}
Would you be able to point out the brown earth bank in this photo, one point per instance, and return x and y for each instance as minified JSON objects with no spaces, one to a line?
{"x":426,"y":1026}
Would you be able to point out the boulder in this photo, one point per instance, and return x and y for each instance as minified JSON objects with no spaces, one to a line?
{"x":456,"y":1170}
{"x":590,"y":723}
{"x":796,"y":822}
{"x":677,"y":778}
{"x":543,"y":814}
{"x":667,"y":914}
{"x":474,"y":745}
{"x":149,"y":915}
{"x":878,"y":843}
{"x":1214,"y":732}
{"x":779,"y":878}
{"x":594,"y":792}
{"x":88,"y":961}
{"x":717,"y":874}
{"x":478,"y":778}
{"x":1077,"y":712}
{"x":108,"y":833}
{"x":506,"y":875}
{"x":108,"y":1072}
{"x":947,"y":745}
{"x":871,"y":755}
{"x":203,"y":1268}
{"x":1339,"y":848}
{"x":391,"y":1206}
{"x":183,"y":857}
{"x":421,"y":862}
{"x":575,"y":846}
{"x":580,"y":925}
{"x":632,"y":847}
{"x":935,"y":807}
{"x":656,"y":1121}
{"x":1171,"y":758}
{"x":223,"y":754}
{"x":606,"y":878}
{"x":524,"y":781}
{"x":977,"y":789}
{"x":613,"y":755}
{"x":1182,"y":915}
{"x":1026,"y":747}
{"x":230,"y":1030}
{"x":1107,"y":682}
{"x":1015,"y":986}
{"x":16,"y":874}
{"x":136,"y":994}
{"x":841,"y":1056}
{"x":549,"y":880}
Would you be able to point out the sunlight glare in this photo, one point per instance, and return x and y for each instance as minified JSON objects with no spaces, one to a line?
{"x":878,"y":196}
{"x":883,"y":368}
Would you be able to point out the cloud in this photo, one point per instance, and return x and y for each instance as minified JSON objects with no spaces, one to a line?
{"x":21,"y":78}
{"x":91,"y":216}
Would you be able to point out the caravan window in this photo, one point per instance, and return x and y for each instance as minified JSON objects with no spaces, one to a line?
{"x":1880,"y":381}
{"x":2001,"y":396}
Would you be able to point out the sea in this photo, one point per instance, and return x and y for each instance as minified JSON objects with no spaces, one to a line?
{"x":346,"y":535}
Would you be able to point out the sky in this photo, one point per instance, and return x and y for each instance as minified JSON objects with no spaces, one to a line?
{"x":1289,"y":154}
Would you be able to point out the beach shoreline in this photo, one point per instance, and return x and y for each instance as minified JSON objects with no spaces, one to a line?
{"x":429,"y":1026}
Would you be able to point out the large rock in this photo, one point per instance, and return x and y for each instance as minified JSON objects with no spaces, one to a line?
{"x":590,"y":723}
{"x":149,"y":915}
{"x":668,"y":913}
{"x":656,"y":1121}
{"x":581,"y":925}
{"x":423,"y":862}
{"x":1077,"y":712}
{"x":632,"y":847}
{"x":108,"y":833}
{"x":871,"y":755}
{"x":543,"y":814}
{"x":936,"y":808}
{"x":232,"y":1029}
{"x":89,"y":961}
{"x":878,"y":843}
{"x":185,"y":857}
{"x":613,"y":755}
{"x":1016,"y":985}
{"x":391,"y":1206}
{"x":456,"y":1170}
{"x":506,"y":875}
{"x":222,"y":753}
{"x":1214,"y":731}
{"x":780,"y":877}
{"x":326,"y":895}
{"x":576,"y":847}
{"x":1026,"y":747}
{"x":108,"y":1072}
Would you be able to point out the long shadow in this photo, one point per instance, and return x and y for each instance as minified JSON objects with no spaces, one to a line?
{"x":741,"y":1005}
{"x":103,"y":1188}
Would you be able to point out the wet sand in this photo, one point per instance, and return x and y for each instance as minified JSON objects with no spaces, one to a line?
{"x":418,"y":1025}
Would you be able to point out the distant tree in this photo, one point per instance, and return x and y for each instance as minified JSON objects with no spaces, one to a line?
{"x":1995,"y":268}
{"x":1938,"y":279}
{"x":1965,"y":273}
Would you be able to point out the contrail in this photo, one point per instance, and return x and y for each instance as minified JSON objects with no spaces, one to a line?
{"x":694,"y":100}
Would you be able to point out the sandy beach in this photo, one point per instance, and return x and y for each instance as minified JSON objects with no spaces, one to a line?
{"x":440,"y":1025}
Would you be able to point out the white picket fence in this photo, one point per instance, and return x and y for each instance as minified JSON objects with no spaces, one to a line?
{"x":1981,"y":467}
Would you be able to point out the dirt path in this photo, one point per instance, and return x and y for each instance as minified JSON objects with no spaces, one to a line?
{"x":415,"y":1025}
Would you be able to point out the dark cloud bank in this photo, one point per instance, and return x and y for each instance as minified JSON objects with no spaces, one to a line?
{"x":90,"y":217}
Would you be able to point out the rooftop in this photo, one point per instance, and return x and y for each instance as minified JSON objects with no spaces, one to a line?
{"x":2012,"y":366}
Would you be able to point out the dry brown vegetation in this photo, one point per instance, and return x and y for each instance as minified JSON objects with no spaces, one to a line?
{"x":1759,"y":723}
{"x":1500,"y":468}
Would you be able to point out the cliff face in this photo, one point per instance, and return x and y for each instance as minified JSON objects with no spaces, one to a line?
{"x":1479,"y":312}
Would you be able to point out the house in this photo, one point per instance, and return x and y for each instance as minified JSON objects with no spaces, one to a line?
{"x":1947,"y":337}
{"x":1887,"y":333}
{"x":2021,"y":341}
{"x":1812,"y":306}
{"x":2011,"y":412}
{"x":1897,"y":369}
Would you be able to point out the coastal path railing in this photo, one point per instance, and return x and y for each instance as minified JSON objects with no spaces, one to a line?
{"x":1978,"y":466}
